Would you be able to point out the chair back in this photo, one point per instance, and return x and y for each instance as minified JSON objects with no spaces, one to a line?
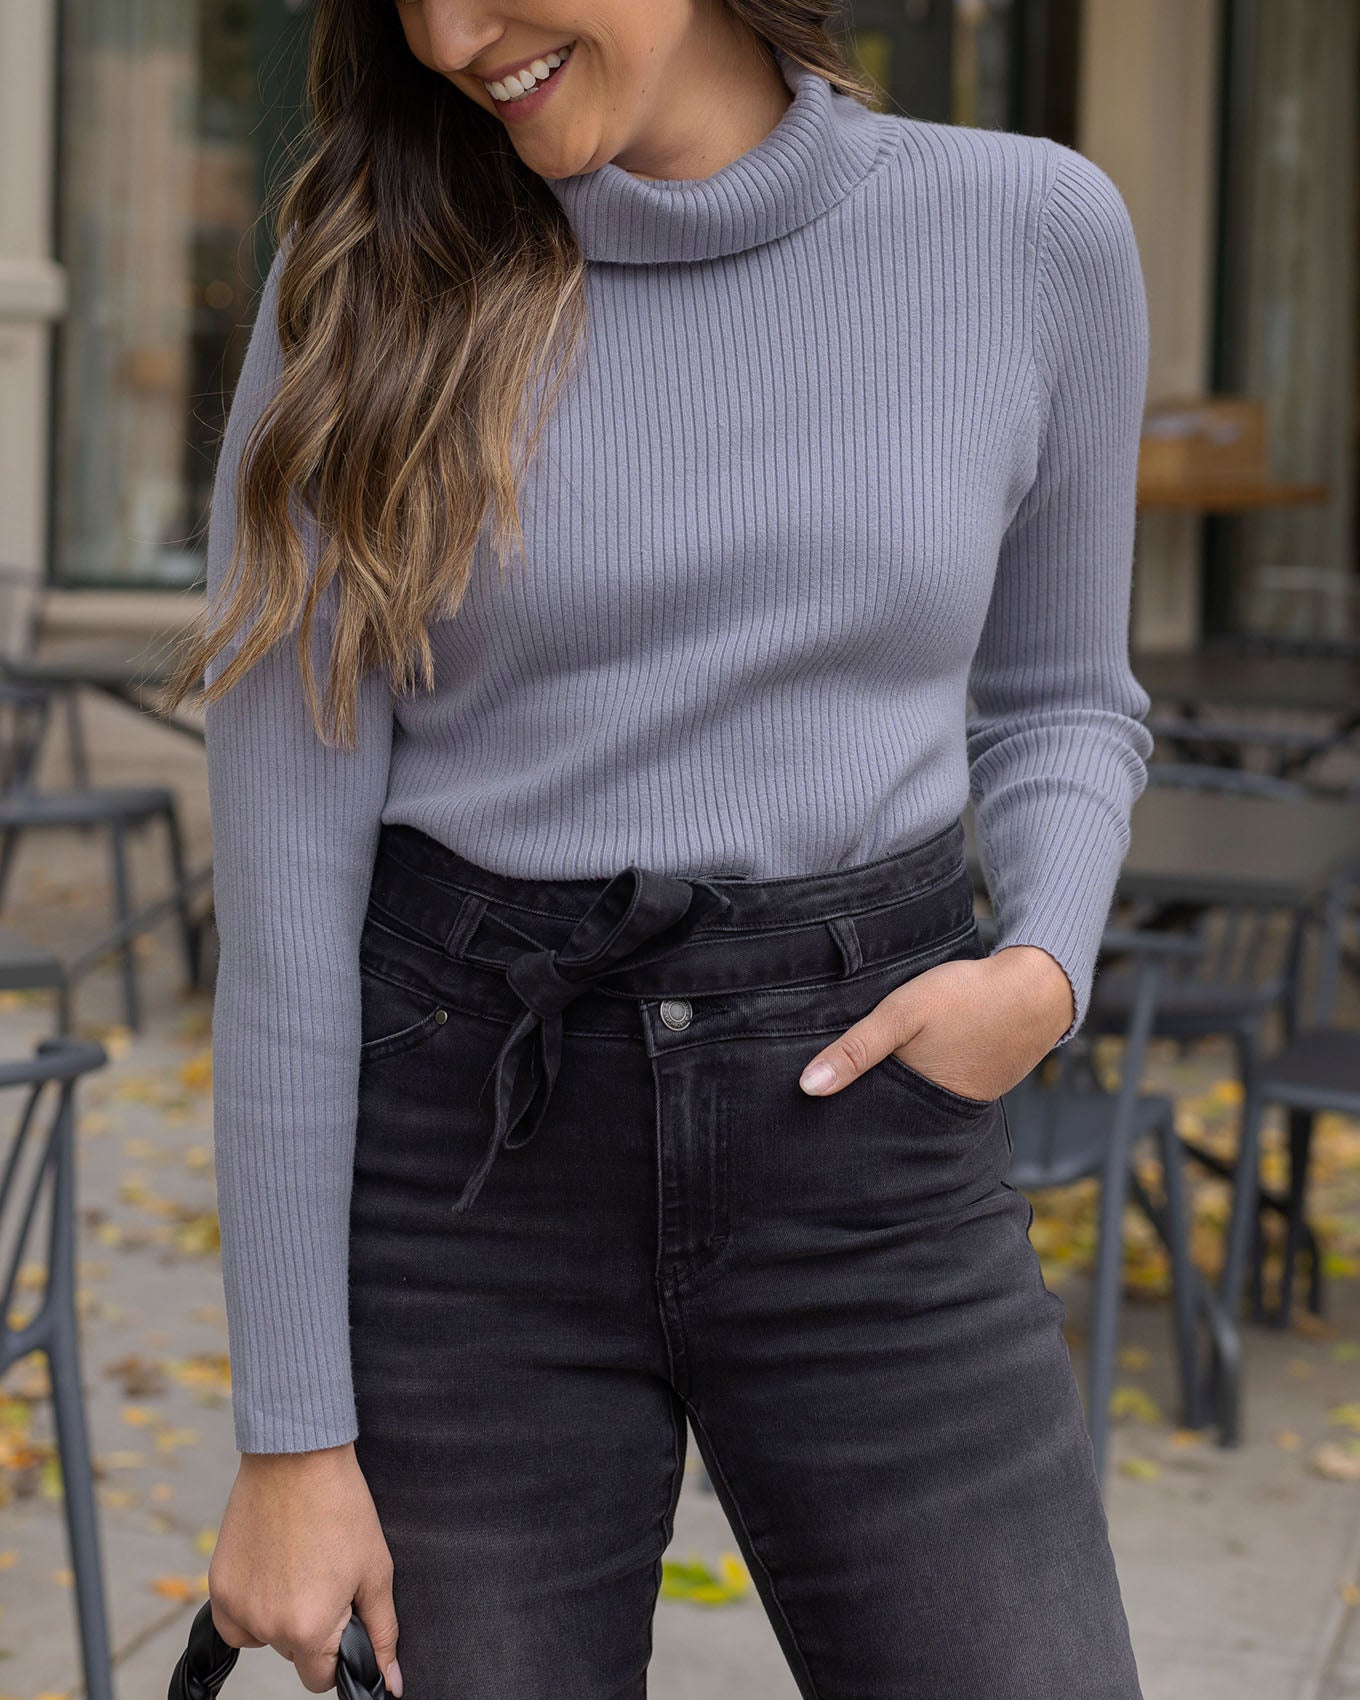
{"x":1241,"y":944}
{"x":1338,"y":920}
{"x":40,"y":1157}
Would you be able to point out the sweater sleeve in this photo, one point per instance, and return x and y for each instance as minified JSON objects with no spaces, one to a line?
{"x":294,"y":827}
{"x":1057,"y":747}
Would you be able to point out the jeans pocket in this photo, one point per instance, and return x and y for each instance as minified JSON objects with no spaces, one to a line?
{"x":395,"y":1017}
{"x":958,"y":1103}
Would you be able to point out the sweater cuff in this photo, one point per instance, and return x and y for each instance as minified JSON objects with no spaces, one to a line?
{"x":1051,"y":862}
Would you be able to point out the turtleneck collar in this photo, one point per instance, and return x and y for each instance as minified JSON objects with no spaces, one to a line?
{"x":823,"y":145}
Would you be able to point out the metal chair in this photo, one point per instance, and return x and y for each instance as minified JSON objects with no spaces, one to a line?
{"x":49,"y":1152}
{"x":1316,"y":1069}
{"x":1067,"y":1126}
{"x":1247,"y":972}
{"x":123,"y":810}
{"x":26,"y":708}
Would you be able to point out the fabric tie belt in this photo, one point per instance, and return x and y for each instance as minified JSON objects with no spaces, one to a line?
{"x":639,"y":917}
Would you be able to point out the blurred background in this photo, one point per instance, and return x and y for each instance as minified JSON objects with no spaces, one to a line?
{"x":1194,"y":1161}
{"x":140,"y":138}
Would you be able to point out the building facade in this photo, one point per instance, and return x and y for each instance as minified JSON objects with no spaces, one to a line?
{"x":140,"y":136}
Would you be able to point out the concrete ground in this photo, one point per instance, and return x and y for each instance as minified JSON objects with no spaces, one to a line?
{"x":1241,"y":1569}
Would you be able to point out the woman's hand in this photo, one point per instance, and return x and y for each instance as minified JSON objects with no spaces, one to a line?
{"x":977,"y":1026}
{"x":300,"y":1549}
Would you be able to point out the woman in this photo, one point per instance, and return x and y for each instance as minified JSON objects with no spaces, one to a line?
{"x":604,"y":1045}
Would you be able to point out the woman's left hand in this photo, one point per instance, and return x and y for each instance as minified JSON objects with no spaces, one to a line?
{"x":975,"y":1025}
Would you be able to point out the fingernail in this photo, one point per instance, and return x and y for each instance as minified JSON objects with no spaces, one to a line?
{"x":394,"y":1678}
{"x":817,"y":1077}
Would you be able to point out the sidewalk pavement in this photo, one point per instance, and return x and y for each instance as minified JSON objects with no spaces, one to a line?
{"x":1240,"y":1569}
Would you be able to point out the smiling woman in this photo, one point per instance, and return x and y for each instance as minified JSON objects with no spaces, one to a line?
{"x":832,"y":423}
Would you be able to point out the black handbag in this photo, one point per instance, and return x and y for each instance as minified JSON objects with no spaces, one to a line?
{"x":206,"y":1663}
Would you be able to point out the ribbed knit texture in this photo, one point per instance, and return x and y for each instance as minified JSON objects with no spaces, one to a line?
{"x":854,"y":439}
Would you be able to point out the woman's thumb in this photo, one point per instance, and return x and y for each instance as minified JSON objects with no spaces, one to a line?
{"x":374,"y":1606}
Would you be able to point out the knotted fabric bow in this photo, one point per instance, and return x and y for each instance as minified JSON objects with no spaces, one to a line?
{"x":639,"y":917}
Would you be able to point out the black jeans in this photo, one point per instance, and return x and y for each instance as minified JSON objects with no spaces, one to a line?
{"x":591,"y":1201}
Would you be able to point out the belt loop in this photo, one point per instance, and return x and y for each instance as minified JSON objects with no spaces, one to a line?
{"x":846,"y":935}
{"x":471,"y":910}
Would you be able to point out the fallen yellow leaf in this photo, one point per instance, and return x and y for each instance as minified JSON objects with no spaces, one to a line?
{"x":1134,"y":1402}
{"x":174,"y":1587}
{"x":1337,"y":1463}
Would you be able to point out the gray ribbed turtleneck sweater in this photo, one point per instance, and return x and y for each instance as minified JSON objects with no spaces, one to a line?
{"x":854,"y":439}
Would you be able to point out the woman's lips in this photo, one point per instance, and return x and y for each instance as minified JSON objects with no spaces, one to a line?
{"x":524,"y":104}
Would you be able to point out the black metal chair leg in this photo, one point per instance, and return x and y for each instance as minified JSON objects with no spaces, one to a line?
{"x":75,"y":737}
{"x":123,"y":909}
{"x":82,"y":1524}
{"x":1224,"y":1390}
{"x":9,"y":846}
{"x":1244,"y":1206}
{"x":62,"y":1347}
{"x":1172,"y":1224}
{"x":1177,"y":1240}
{"x":1300,"y":1147}
{"x":1246,"y":1042}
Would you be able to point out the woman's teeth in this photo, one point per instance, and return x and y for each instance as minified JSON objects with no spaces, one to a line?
{"x":536,"y":72}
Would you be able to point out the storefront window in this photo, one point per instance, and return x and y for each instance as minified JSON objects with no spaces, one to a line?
{"x":174,"y":114}
{"x":984,"y":68}
{"x":170,"y":112}
{"x":1288,"y":321}
{"x":993,"y":64}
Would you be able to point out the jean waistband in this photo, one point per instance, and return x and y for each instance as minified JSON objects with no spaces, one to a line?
{"x":641,"y":932}
{"x":470,"y":911}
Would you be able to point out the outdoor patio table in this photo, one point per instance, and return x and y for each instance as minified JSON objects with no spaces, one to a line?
{"x":1204,"y":847}
{"x":1324,"y":685}
{"x":130,"y":675}
{"x":1317,"y":684}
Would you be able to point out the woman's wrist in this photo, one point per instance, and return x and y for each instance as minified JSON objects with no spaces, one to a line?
{"x":1044,"y":985}
{"x":320,"y":1458}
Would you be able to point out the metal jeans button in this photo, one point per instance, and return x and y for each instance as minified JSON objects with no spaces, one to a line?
{"x":676,"y":1012}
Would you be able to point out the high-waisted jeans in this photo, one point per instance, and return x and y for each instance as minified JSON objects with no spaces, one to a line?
{"x":591,"y":1204}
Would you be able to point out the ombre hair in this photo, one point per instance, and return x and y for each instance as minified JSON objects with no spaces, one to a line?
{"x":431,"y":282}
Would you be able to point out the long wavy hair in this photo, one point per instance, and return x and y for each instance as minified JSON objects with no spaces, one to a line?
{"x":431,"y":284}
